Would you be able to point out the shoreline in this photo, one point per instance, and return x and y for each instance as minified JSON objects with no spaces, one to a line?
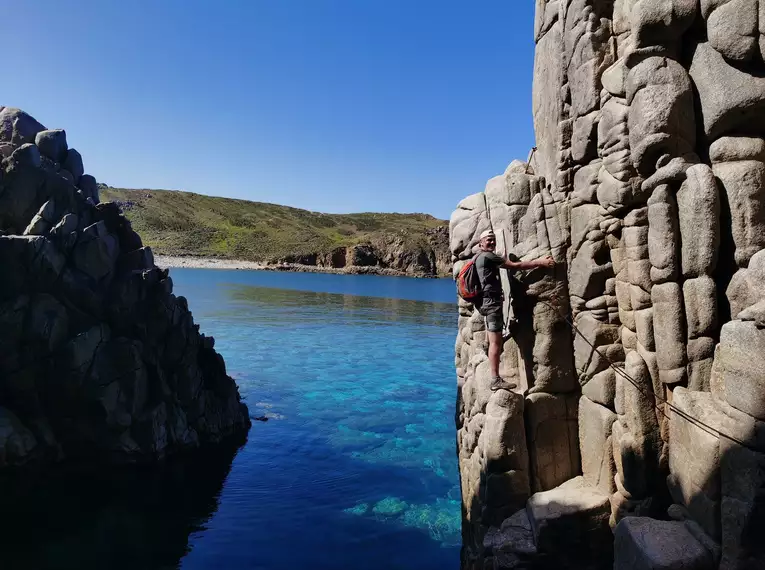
{"x":193,"y":262}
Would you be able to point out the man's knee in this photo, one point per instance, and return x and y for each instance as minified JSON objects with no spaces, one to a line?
{"x":495,"y":339}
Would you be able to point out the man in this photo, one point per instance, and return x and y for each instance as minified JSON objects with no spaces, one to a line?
{"x":487,"y":265}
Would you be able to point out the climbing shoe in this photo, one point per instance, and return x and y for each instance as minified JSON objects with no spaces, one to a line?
{"x":498,"y":383}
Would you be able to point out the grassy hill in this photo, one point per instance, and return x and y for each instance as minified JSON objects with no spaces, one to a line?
{"x":183,"y":223}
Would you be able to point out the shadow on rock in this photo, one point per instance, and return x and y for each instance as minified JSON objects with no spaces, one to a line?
{"x":138,"y":516}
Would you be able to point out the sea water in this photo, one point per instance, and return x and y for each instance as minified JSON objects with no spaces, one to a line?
{"x":355,"y":468}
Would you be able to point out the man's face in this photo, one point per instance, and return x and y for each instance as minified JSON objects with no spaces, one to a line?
{"x":489,"y":243}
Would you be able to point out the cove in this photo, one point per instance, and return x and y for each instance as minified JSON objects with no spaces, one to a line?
{"x":356,"y":466}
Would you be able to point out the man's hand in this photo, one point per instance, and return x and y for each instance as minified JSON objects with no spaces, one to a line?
{"x":546,"y":261}
{"x":533,"y":264}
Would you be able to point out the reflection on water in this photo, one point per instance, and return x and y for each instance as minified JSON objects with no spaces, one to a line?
{"x":306,"y":305}
{"x":128,"y":517}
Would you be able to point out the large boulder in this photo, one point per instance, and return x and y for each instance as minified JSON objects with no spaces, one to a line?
{"x":52,"y":144}
{"x":18,"y":128}
{"x":572,"y":518}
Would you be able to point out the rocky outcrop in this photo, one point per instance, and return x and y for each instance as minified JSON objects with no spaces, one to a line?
{"x":638,"y":359}
{"x":388,"y":254}
{"x":99,"y":359}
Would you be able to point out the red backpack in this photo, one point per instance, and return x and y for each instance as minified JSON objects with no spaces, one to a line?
{"x":468,"y":283}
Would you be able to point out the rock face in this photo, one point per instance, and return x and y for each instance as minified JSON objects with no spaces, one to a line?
{"x":99,"y":358}
{"x":647,"y":187}
{"x":387,"y":254}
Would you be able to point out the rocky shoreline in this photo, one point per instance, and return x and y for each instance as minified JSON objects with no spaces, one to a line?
{"x":176,"y":261}
{"x":101,"y":362}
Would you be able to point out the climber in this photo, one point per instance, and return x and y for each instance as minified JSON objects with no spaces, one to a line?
{"x":488,"y":265}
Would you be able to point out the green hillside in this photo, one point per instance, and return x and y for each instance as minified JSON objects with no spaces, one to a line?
{"x":183,"y":223}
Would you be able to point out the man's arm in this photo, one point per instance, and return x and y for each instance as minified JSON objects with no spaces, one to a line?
{"x":546,"y":261}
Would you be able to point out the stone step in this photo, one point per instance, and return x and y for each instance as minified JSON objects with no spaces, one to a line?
{"x":570,"y":524}
{"x":573,"y":515}
{"x":512,"y":545}
{"x":642,"y":543}
{"x":566,"y":527}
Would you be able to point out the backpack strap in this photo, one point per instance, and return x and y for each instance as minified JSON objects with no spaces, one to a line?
{"x":475,"y":262}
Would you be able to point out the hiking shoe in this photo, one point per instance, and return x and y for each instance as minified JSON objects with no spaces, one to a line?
{"x":498,"y":383}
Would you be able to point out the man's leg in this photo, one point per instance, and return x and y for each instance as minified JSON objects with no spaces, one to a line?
{"x":495,"y":351}
{"x":494,"y":326}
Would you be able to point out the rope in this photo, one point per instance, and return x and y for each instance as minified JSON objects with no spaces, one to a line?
{"x":620,"y":371}
{"x":488,"y":211}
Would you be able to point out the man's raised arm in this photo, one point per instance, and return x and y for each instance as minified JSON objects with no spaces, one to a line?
{"x":546,"y":261}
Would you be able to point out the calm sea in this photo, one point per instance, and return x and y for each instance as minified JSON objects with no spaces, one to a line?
{"x":356,"y":467}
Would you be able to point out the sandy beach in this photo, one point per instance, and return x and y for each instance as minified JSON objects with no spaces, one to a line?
{"x":171,"y":261}
{"x":206,"y":263}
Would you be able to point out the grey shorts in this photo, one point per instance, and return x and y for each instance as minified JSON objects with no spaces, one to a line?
{"x":492,"y":312}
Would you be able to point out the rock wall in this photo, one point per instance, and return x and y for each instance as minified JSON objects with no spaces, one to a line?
{"x":99,"y":359}
{"x":647,"y":186}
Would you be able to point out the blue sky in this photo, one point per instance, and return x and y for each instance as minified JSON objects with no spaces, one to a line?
{"x":329,"y":105}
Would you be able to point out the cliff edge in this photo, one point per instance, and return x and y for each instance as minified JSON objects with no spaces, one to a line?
{"x":99,"y":359}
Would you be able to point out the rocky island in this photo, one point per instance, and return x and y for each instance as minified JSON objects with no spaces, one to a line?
{"x":100,"y":360}
{"x":635,"y":438}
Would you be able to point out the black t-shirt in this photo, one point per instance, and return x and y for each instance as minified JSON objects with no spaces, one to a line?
{"x":488,"y":263}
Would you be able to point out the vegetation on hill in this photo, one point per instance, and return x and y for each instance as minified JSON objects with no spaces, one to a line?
{"x":184,"y":223}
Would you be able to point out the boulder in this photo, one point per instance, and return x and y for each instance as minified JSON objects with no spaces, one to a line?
{"x":661,"y":119}
{"x":501,"y":440}
{"x":89,"y":188}
{"x":26,"y":155}
{"x":571,"y":518}
{"x":742,"y":361}
{"x":601,"y":388}
{"x":642,"y":543}
{"x":18,"y":128}
{"x":739,"y":107}
{"x":96,"y":251}
{"x":52,"y":144}
{"x":73,"y":164}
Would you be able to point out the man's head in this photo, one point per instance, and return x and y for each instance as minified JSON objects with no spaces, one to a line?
{"x":488,"y":241}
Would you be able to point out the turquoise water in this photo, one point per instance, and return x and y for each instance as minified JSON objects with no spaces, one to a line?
{"x":356,"y":467}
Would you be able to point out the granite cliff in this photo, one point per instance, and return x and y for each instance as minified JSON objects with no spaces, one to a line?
{"x":99,"y":360}
{"x":635,"y":438}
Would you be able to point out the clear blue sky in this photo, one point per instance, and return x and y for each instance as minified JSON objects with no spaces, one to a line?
{"x":328,"y":105}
